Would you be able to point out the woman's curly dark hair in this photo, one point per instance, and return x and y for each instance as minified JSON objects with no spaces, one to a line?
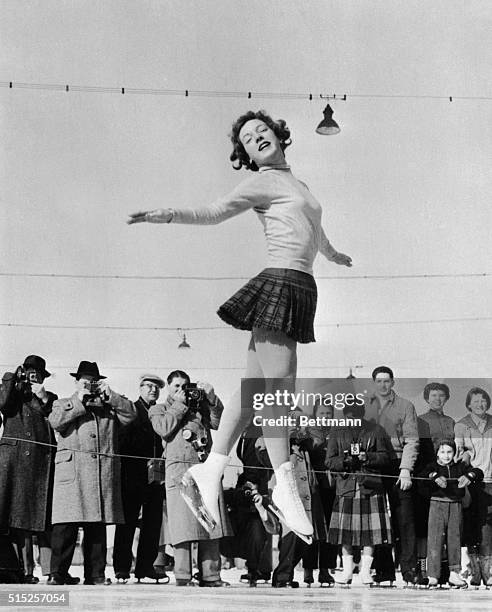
{"x":239,"y":157}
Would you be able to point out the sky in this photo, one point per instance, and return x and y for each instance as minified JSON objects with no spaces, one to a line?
{"x":405,"y":186}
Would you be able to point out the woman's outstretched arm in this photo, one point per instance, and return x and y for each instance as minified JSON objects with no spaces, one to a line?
{"x":248,"y":194}
{"x":326,"y":249}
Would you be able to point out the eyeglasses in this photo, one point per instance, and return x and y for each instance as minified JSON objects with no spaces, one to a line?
{"x":151,"y":386}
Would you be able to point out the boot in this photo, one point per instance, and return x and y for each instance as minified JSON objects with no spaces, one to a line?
{"x":433,"y":582}
{"x":200,"y":488}
{"x":286,"y":498}
{"x":348,"y":571}
{"x":365,"y":569}
{"x":325,"y":579}
{"x":474,"y":567}
{"x":486,"y":569}
{"x":308,"y":576}
{"x":455,"y":581}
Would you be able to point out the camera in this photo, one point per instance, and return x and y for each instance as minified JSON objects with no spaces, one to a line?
{"x":355,"y":449}
{"x":95,"y":397}
{"x":21,"y":381}
{"x":194,"y":395}
{"x":248,"y":491}
{"x":351,"y":458}
{"x":198,"y":443}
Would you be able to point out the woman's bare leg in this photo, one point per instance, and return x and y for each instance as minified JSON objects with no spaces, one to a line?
{"x":277,"y":356}
{"x":238,"y":413}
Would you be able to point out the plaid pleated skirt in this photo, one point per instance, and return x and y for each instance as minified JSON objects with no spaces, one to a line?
{"x":361,"y":520}
{"x":278,"y":299}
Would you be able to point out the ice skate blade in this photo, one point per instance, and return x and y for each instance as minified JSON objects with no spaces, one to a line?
{"x":306,"y":538}
{"x":191,"y":494}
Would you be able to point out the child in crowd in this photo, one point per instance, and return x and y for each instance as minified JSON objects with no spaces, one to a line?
{"x":446,"y":488}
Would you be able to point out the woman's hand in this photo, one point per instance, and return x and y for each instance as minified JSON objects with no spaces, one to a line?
{"x":342,"y":260}
{"x":161,"y":215}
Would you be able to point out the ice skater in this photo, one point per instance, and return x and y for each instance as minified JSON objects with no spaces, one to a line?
{"x":277,"y":306}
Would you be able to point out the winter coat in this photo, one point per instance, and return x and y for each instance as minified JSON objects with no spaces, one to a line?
{"x":475,"y":446}
{"x":87,"y":484}
{"x":307,"y":485}
{"x":26,"y":469}
{"x":399,"y":419}
{"x":140,"y":440}
{"x":169,"y":420}
{"x":374,"y":441}
{"x":451,"y":473}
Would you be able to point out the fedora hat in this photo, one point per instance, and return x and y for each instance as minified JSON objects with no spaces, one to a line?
{"x":87,"y":367}
{"x":36,"y":363}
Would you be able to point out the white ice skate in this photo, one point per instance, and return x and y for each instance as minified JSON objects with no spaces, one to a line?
{"x":287,"y":505}
{"x":200,"y":488}
{"x":456,"y":582}
{"x":345,"y":578}
{"x":365,"y":570}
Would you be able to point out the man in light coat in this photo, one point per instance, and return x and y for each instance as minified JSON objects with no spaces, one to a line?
{"x":87,"y":488}
{"x":184,"y":426}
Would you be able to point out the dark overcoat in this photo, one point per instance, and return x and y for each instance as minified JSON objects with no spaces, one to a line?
{"x":26,"y":469}
{"x":87,"y":477}
{"x":169,"y":420}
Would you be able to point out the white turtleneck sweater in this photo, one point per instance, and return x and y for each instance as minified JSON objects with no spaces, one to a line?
{"x":290,"y":215}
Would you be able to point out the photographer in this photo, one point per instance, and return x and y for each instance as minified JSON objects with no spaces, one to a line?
{"x":87,"y":487}
{"x":24,"y":465}
{"x":253,"y":523}
{"x":184,"y":422}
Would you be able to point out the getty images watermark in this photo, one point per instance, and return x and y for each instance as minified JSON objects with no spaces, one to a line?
{"x":283,"y":407}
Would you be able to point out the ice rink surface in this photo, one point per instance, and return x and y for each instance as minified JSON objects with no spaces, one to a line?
{"x":238,"y":597}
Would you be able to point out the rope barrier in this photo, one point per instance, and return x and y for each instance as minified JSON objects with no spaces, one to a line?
{"x":240,"y":278}
{"x":229,"y":328}
{"x":242,"y":465}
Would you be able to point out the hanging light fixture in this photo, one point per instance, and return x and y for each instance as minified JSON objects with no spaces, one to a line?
{"x":328,"y":126}
{"x":351,"y":375}
{"x":183,"y":344}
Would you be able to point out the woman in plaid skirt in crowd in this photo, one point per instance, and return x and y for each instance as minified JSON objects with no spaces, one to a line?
{"x":277,"y":306}
{"x":360,"y":517}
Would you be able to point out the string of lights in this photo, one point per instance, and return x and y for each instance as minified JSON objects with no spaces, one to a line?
{"x":188,"y":93}
{"x":145,"y":368}
{"x":228,"y":278}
